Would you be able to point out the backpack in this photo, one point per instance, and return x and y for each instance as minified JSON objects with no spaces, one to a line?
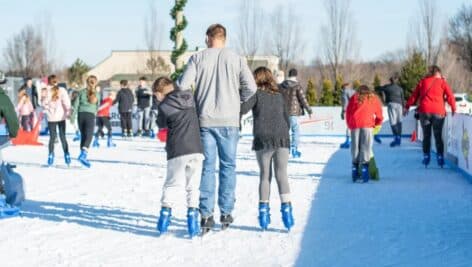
{"x":12,"y":184}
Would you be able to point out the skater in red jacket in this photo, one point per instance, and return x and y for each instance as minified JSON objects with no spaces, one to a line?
{"x":363,"y":114}
{"x":103,"y":119}
{"x":431,"y":93}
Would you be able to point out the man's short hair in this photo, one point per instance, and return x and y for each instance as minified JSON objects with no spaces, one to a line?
{"x":216,"y":31}
{"x":124,"y":83}
{"x":143,"y":78}
{"x":292,"y":73}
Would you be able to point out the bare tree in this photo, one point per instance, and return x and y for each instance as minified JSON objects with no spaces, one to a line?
{"x":153,"y":35}
{"x":45,"y":29}
{"x":337,"y":34}
{"x":428,"y":30}
{"x":25,"y":54}
{"x":460,"y":34}
{"x":286,"y":36}
{"x":251,"y":28}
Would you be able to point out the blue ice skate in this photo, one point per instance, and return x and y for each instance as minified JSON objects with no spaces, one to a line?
{"x":83,"y":158}
{"x":67,"y":158}
{"x":365,"y":173}
{"x":110,"y":142}
{"x":264,"y":215}
{"x":50,"y":159}
{"x":192,"y":222}
{"x":287,"y":216}
{"x":95,"y":142}
{"x":164,"y":219}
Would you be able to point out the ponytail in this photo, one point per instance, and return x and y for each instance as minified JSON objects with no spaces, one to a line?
{"x":92,"y":89}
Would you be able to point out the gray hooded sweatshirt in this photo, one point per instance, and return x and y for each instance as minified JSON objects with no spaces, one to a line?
{"x":222,"y":80}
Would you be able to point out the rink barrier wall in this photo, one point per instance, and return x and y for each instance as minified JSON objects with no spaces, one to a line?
{"x":458,"y":143}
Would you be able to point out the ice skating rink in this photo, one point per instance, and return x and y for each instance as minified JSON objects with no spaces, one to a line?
{"x":106,"y":215}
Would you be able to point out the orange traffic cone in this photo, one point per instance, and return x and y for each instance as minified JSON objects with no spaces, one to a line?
{"x":29,"y":138}
{"x":413,"y":136}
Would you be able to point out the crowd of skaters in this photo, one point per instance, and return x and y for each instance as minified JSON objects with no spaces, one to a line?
{"x":202,"y":112}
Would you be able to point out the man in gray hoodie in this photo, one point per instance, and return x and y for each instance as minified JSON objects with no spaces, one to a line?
{"x":221,"y":80}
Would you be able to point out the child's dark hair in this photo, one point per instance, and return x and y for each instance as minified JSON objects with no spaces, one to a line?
{"x":161,"y":83}
{"x":52,"y":80}
{"x":265,"y":80}
{"x":124,"y":83}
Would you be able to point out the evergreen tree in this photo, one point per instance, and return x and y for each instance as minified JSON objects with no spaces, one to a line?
{"x":311,"y":93}
{"x":356,"y":84}
{"x":411,"y":73}
{"x":338,"y":90}
{"x":377,"y":81}
{"x":327,"y":93}
{"x":76,"y":72}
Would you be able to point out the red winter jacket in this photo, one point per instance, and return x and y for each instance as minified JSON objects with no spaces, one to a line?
{"x":431,"y":92}
{"x":104,"y":109}
{"x":367,"y":114}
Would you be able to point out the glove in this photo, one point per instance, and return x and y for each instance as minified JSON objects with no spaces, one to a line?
{"x":377,"y":129}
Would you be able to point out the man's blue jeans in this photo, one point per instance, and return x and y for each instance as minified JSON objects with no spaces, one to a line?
{"x":295,"y":129}
{"x":221,"y":142}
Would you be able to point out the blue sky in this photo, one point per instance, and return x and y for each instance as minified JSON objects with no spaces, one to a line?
{"x":91,"y":29}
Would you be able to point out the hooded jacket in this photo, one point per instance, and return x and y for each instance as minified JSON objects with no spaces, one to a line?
{"x":431,"y":93}
{"x":294,"y":98}
{"x":367,"y":114}
{"x":177,"y":113}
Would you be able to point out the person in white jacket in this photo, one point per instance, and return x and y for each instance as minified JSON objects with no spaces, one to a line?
{"x":56,"y":103}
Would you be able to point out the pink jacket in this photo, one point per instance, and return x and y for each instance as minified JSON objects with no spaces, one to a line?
{"x":25,"y":108}
{"x":59,"y":109}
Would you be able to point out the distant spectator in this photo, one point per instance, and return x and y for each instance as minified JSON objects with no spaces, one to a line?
{"x":143,"y":97}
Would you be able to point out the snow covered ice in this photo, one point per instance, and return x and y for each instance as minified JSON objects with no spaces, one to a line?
{"x":106,"y":215}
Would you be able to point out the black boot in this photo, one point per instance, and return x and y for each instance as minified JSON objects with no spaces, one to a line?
{"x":226,"y":220}
{"x":207,"y":224}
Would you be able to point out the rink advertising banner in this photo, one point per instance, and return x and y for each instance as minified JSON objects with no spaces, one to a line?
{"x":326,"y":121}
{"x":459,"y":142}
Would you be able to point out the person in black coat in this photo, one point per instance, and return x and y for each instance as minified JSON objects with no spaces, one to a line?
{"x":143,"y":98}
{"x":125,"y":100}
{"x":178,"y":114}
{"x":271,"y":143}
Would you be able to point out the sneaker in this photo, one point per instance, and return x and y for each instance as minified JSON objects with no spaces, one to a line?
{"x":192,"y":222}
{"x":164,"y":219}
{"x":226,"y":220}
{"x":207,"y":224}
{"x":426,"y":159}
{"x":365,"y":173}
{"x":83,"y":158}
{"x":50,"y":159}
{"x":287,"y":216}
{"x":264,"y":215}
{"x":355,"y":172}
{"x":67,"y":158}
